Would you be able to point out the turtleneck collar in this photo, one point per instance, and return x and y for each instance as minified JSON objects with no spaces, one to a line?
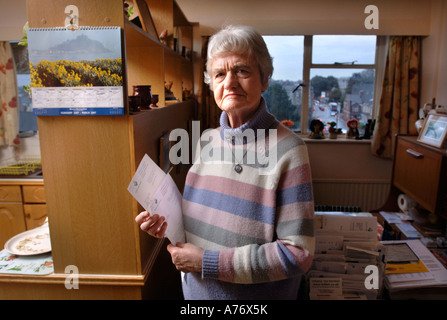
{"x":262,"y":119}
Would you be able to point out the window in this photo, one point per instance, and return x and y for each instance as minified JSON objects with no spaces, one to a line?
{"x":283,"y":97}
{"x":334,"y":82}
{"x":27,"y":121}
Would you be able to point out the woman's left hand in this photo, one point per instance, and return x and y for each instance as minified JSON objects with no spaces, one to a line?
{"x":186,"y":257}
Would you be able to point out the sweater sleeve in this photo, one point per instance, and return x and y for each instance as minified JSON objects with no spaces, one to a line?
{"x":290,"y":253}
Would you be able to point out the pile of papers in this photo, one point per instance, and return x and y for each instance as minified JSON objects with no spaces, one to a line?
{"x":410,"y":265}
{"x":402,"y":222}
{"x":348,"y":258}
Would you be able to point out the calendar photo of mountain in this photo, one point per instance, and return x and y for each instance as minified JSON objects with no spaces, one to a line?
{"x":76,"y":72}
{"x":75,"y":58}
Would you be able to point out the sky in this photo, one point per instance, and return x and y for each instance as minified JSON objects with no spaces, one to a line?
{"x":287,"y":53}
{"x":41,"y":40}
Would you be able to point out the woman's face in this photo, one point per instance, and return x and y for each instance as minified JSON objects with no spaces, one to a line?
{"x":237,"y":85}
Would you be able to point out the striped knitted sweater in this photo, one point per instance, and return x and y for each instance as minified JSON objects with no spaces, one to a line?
{"x":256,"y":228}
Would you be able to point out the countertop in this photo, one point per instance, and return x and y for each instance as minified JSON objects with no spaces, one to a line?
{"x":36,"y":176}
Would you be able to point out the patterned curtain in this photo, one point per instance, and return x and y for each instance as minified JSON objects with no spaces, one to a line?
{"x":9,"y":112}
{"x":399,"y":103}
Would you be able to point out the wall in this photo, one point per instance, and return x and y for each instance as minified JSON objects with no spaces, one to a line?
{"x":12,"y":19}
{"x":434,"y":57}
{"x":310,"y":17}
{"x":345,"y":173}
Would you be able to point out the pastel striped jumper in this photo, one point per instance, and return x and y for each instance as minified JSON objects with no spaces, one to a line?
{"x":256,"y":228}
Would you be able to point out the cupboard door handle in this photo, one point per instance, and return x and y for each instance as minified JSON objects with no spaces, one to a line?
{"x":415,"y":154}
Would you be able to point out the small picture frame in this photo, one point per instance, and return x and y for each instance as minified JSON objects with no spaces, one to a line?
{"x":434,"y":131}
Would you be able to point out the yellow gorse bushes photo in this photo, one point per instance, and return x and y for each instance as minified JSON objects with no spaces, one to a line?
{"x":85,"y":73}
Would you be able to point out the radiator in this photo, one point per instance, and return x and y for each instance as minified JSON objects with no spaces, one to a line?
{"x":367,"y":195}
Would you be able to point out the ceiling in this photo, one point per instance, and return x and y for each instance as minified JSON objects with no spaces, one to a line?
{"x":310,"y":17}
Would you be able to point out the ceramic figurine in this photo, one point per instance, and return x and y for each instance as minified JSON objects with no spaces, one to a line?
{"x":353,"y":129}
{"x":333,"y":131}
{"x":316,"y":129}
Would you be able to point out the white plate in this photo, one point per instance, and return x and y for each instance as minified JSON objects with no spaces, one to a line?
{"x":31,"y":242}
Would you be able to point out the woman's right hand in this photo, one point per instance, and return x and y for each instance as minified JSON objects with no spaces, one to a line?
{"x":154,"y":225}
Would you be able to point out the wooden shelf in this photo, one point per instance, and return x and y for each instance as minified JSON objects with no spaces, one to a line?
{"x":137,"y":37}
{"x":150,"y":62}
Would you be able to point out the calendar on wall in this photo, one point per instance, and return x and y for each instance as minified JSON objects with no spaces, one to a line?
{"x":76,"y":72}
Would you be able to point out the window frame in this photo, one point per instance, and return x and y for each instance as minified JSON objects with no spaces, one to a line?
{"x":308,"y":65}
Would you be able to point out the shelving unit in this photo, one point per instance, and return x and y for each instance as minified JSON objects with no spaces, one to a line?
{"x":163,"y":64}
{"x":88,"y":162}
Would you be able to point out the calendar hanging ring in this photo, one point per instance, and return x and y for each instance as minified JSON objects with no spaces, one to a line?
{"x":72,"y":27}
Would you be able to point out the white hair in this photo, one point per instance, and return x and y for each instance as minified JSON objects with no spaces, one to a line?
{"x":243,"y":40}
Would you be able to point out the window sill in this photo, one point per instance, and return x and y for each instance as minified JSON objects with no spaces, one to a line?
{"x":339,"y":140}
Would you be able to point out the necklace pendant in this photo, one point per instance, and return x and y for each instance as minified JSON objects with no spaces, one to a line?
{"x":238,"y":168}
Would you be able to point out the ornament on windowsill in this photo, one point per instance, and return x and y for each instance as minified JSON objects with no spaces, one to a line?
{"x":287,"y":123}
{"x":316,"y":129}
{"x":353,"y":129}
{"x":333,"y":131}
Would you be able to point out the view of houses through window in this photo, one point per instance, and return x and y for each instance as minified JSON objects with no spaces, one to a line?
{"x":330,"y":78}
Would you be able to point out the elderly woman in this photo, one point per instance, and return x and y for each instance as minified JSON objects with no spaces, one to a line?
{"x":249,"y":233}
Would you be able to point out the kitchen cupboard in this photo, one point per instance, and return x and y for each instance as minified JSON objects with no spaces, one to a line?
{"x":34,"y":205}
{"x":88,"y":162}
{"x":22,"y":207}
{"x":12,"y":220}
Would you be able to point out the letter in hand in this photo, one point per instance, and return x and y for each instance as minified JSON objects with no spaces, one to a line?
{"x":154,"y":225}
